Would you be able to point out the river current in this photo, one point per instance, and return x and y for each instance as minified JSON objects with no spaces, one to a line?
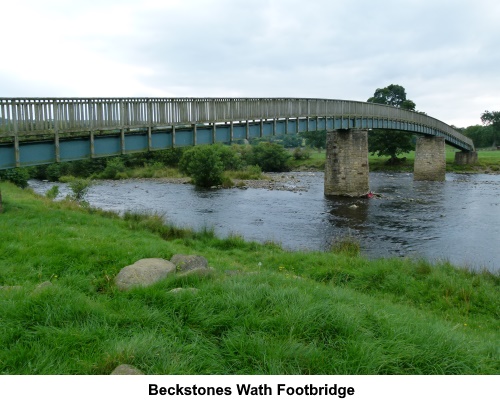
{"x":456,"y":220}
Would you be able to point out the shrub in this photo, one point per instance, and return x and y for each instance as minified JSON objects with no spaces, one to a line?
{"x":270,"y":157}
{"x":301,"y":153}
{"x":52,"y":193}
{"x":80,"y":188}
{"x":18,"y":176}
{"x":113,"y":168}
{"x":204,"y":165}
{"x":55,"y":171}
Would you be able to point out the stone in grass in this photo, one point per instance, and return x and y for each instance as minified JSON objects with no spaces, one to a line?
{"x":180,"y":289}
{"x":143,"y":273}
{"x":43,"y":286}
{"x":126,"y":369}
{"x":186,"y":263}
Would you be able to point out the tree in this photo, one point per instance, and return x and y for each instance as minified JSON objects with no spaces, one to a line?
{"x":315,"y":139}
{"x":389,"y":142}
{"x":492,"y":118}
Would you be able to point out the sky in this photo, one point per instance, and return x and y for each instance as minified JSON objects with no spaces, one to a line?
{"x":445,"y":53}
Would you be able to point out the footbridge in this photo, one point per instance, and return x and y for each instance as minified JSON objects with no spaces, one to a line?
{"x":35,"y":131}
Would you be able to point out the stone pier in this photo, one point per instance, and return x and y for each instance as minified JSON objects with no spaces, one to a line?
{"x":466,"y":158}
{"x":346,"y":166}
{"x":430,"y":159}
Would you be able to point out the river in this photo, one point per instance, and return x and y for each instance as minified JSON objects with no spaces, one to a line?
{"x":456,"y":220}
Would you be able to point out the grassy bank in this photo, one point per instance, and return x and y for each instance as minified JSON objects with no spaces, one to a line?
{"x":488,"y":162}
{"x":295,"y":313}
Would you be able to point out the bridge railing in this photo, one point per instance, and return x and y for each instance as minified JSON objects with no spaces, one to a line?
{"x":42,"y":116}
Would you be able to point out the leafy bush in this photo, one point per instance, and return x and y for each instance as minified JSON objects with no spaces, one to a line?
{"x":204,"y":165}
{"x":301,"y":153}
{"x":270,"y":157}
{"x":52,"y":193}
{"x":18,"y":176}
{"x":113,"y":168}
{"x":55,"y":171}
{"x":80,"y":188}
{"x":229,"y":157}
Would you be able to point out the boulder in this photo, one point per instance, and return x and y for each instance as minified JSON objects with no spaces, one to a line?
{"x":126,"y":369}
{"x":188,"y":263}
{"x":143,"y":273}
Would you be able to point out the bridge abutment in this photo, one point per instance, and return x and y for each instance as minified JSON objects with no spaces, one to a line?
{"x":466,"y":158}
{"x":430,"y":159}
{"x":346,"y":166}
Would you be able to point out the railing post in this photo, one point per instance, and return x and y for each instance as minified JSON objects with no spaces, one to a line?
{"x":56,"y":131}
{"x":16,"y":135}
{"x":150,"y":124}
{"x":122,"y":127}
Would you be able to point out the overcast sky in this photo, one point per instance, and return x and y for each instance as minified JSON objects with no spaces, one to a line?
{"x":445,"y":53}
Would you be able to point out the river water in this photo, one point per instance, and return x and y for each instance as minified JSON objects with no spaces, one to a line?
{"x":457,"y":220}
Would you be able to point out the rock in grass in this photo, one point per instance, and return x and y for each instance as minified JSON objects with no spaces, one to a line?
{"x":126,"y":369}
{"x":188,"y":263}
{"x":180,"y":290}
{"x":143,"y":273}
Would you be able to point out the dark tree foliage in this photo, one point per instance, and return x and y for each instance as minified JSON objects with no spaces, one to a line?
{"x":492,"y":119}
{"x":315,"y":139}
{"x":270,"y":157}
{"x":383,"y":142}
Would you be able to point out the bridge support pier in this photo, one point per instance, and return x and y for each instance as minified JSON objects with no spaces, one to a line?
{"x":430,"y":159}
{"x":466,"y":158}
{"x":346,"y":166}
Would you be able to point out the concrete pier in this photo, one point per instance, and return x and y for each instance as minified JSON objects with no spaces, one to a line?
{"x":430,"y":159}
{"x":346,"y":166}
{"x":466,"y":158}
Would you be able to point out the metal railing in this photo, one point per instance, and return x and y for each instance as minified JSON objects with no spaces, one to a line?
{"x":21,"y":117}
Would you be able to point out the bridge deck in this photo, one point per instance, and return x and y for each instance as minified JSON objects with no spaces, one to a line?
{"x":45,"y":130}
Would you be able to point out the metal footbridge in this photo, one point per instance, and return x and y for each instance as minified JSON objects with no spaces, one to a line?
{"x":36,"y":131}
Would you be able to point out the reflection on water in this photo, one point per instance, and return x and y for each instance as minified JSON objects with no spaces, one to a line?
{"x":457,"y":220}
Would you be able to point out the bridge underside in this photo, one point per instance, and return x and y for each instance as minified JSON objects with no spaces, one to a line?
{"x":48,"y":148}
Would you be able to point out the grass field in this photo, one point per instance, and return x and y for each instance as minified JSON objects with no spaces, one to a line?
{"x":295,"y":313}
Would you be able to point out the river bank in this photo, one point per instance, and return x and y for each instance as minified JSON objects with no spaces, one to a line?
{"x":263,"y":310}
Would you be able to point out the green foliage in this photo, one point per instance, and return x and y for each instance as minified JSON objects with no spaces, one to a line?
{"x":204,"y":165}
{"x":394,"y":95}
{"x":482,"y":136}
{"x":18,"y":176}
{"x":301,"y":153}
{"x":80,"y":188}
{"x":52,"y":193}
{"x":271,"y":157}
{"x":391,"y":143}
{"x":492,"y":118}
{"x":113,"y":168}
{"x":315,"y":139}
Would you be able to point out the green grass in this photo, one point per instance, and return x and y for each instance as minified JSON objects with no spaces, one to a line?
{"x":296,"y":313}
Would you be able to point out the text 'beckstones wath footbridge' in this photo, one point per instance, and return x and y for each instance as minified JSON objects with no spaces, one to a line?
{"x":35,"y":131}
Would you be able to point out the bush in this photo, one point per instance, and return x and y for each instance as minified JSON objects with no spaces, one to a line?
{"x":113,"y":168}
{"x":18,"y":176}
{"x":270,"y":157}
{"x":301,"y":153}
{"x":204,"y":165}
{"x":55,"y":171}
{"x":52,"y":193}
{"x":80,"y":188}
